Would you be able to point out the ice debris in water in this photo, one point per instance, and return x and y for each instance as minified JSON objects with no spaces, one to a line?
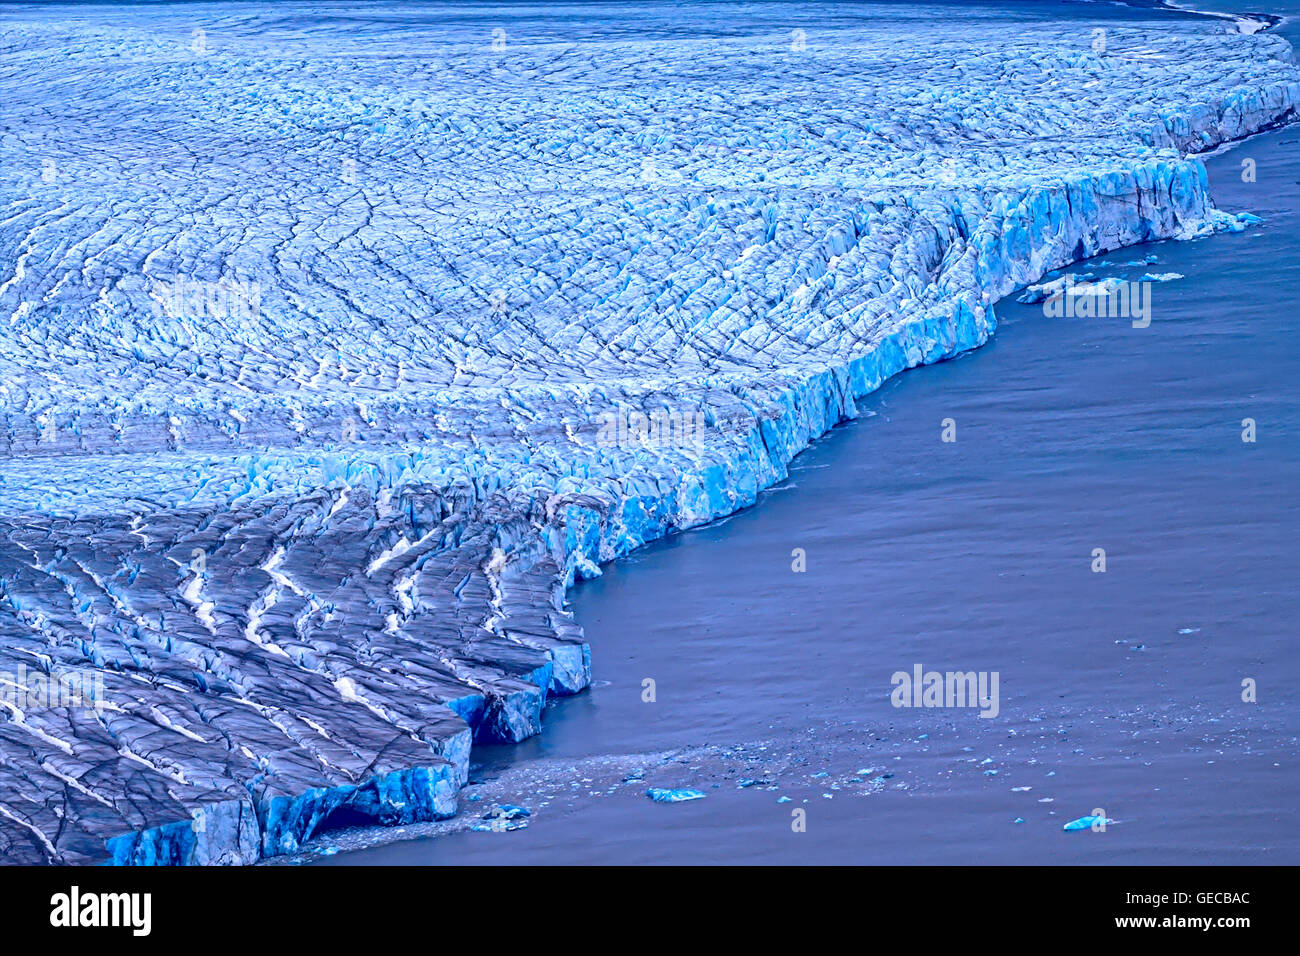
{"x":1161,"y":276}
{"x":1107,"y":286}
{"x":1046,"y":290}
{"x":503,"y":818}
{"x":659,"y":795}
{"x":1087,"y":823}
{"x":1239,"y":222}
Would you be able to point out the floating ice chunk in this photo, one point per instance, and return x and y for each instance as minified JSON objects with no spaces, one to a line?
{"x":1161,"y":276}
{"x":1043,"y":291}
{"x":659,"y":795}
{"x":1108,"y":286}
{"x":503,"y":818}
{"x":1087,"y":823}
{"x":1072,"y":286}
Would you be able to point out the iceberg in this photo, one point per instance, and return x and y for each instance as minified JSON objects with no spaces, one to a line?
{"x":503,"y":819}
{"x":661,"y":795}
{"x":1088,"y":823}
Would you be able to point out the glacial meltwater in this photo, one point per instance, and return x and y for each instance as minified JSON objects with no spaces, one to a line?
{"x":1123,"y":693}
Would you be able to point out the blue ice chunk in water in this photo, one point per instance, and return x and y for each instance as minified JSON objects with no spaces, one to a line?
{"x":1033,"y":294}
{"x":503,"y":818}
{"x":659,"y":795}
{"x":1087,"y":823}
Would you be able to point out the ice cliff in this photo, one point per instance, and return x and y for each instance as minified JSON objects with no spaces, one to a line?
{"x":334,"y":349}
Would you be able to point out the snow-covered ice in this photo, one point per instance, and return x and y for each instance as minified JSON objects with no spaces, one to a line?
{"x":334,"y":348}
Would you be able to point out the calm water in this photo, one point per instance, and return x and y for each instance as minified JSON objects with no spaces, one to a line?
{"x":1118,"y":690}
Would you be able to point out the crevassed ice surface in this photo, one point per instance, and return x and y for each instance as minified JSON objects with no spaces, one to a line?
{"x":313,"y":324}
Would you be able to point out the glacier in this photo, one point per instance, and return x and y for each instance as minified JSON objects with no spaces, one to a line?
{"x":312,"y":328}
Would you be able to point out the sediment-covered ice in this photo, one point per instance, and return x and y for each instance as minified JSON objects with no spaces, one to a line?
{"x":334,"y":348}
